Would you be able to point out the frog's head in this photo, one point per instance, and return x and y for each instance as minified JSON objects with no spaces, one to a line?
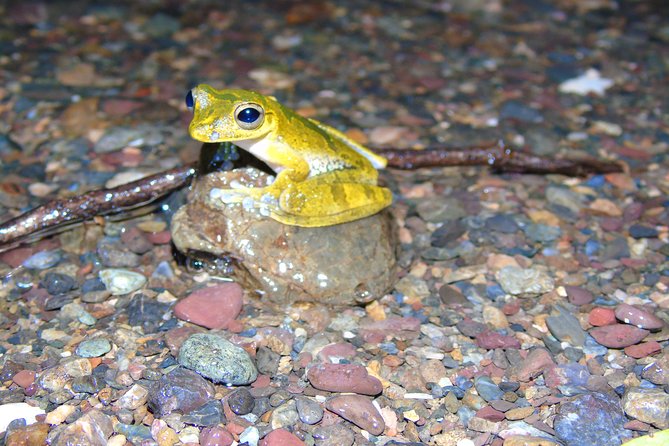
{"x":229,"y":115}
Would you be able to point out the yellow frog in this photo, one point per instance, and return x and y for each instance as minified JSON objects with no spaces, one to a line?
{"x":323,"y":178}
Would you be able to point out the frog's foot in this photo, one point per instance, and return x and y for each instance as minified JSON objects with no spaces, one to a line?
{"x":324,"y":204}
{"x":258,"y":199}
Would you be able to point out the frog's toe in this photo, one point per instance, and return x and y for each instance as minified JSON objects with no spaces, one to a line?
{"x":227,"y":196}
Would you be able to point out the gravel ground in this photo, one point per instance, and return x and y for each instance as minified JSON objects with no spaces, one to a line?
{"x":528,"y":310}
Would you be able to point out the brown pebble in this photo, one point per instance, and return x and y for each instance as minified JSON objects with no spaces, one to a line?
{"x":519,"y":413}
{"x":344,"y":378}
{"x":578,"y":295}
{"x":24,"y":378}
{"x":618,"y":335}
{"x":644,"y":349}
{"x":211,"y":307}
{"x":638,"y":317}
{"x":601,"y":316}
{"x":280,"y":437}
{"x":359,"y":410}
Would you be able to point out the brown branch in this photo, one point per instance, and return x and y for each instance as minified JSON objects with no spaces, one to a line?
{"x":498,"y":157}
{"x":98,"y":202}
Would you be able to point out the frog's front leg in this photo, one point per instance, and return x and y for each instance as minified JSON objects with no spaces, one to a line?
{"x":309,"y":203}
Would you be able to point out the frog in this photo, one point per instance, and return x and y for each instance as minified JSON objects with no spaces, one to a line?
{"x":323,"y":177}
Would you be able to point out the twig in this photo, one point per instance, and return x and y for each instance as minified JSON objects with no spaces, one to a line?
{"x":90,"y":204}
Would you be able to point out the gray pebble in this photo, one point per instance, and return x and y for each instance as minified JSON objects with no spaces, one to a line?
{"x":93,"y":348}
{"x":121,"y":281}
{"x":217,"y":359}
{"x":309,"y":411}
{"x":487,"y":389}
{"x":57,"y":283}
{"x":241,"y":401}
{"x":284,"y":415}
{"x":43,"y":260}
{"x":566,"y":327}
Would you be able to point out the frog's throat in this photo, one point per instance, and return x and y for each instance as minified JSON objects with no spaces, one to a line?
{"x":259,"y":148}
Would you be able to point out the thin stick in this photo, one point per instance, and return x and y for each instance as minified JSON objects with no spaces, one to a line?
{"x":97,"y":202}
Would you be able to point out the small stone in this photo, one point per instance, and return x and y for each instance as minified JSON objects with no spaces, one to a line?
{"x":181,"y":390}
{"x":487,"y":389}
{"x":134,"y":398}
{"x":121,"y":281}
{"x":640,"y":231}
{"x":281,"y":437}
{"x":31,"y":435}
{"x":241,"y":401}
{"x":57,"y":283}
{"x":92,"y":429}
{"x":211,"y":307}
{"x":532,"y":366}
{"x":359,"y":410}
{"x":519,"y":413}
{"x":644,"y":349}
{"x":167,"y":437}
{"x":284,"y":415}
{"x":55,"y":378}
{"x":591,"y":418}
{"x":344,"y":378}
{"x":93,"y":348}
{"x":566,"y":327}
{"x":523,"y":440}
{"x":216,"y":436}
{"x":43,"y":260}
{"x":600,"y":316}
{"x":60,"y":414}
{"x":519,"y":281}
{"x":217,"y":359}
{"x":491,"y":340}
{"x":309,"y":411}
{"x":578,"y":295}
{"x":495,"y":317}
{"x":490,"y":414}
{"x":333,"y":435}
{"x":638,"y":317}
{"x":24,"y":378}
{"x":146,"y":312}
{"x":209,"y":414}
{"x":16,"y":411}
{"x":648,"y":405}
{"x":618,"y":335}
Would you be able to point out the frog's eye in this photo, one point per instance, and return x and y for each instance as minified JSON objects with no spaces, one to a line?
{"x":190,"y":101}
{"x":249,"y":116}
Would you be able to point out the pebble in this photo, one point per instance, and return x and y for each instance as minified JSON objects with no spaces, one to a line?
{"x":281,"y":437}
{"x":566,"y":327}
{"x":618,"y":335}
{"x":24,"y":378}
{"x":641,"y":231}
{"x":519,"y":281}
{"x":284,"y":415}
{"x":241,"y":401}
{"x":32,"y":435}
{"x":502,"y":223}
{"x":57,"y":283}
{"x":92,"y":428}
{"x":344,"y":378}
{"x":333,"y":435}
{"x":209,"y":414}
{"x":648,"y":405}
{"x":533,"y":365}
{"x":578,"y":295}
{"x":359,"y":410}
{"x":121,"y":281}
{"x":487,"y":389}
{"x":145,"y":312}
{"x":43,"y":260}
{"x":309,"y":411}
{"x":592,"y":419}
{"x":93,"y":348}
{"x":15,"y":411}
{"x":600,"y":316}
{"x":181,"y":390}
{"x":217,"y":359}
{"x":211,"y":307}
{"x":215,"y":436}
{"x":638,"y":317}
{"x":55,"y":378}
{"x":491,"y":340}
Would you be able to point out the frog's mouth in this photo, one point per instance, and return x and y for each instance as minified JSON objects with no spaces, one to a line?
{"x":216,"y":157}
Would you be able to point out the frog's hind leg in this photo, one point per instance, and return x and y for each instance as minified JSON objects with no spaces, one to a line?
{"x":312,"y":205}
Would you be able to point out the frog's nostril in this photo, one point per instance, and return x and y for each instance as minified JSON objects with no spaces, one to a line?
{"x":190,"y":101}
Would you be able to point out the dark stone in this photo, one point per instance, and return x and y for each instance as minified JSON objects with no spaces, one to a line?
{"x":451,"y":230}
{"x":57,"y":283}
{"x":181,"y":390}
{"x":641,"y":231}
{"x":146,"y":312}
{"x":241,"y":401}
{"x":267,"y":361}
{"x":502,"y":223}
{"x":209,"y":414}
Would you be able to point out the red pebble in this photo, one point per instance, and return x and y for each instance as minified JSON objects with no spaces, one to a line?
{"x":601,"y":316}
{"x":490,"y":414}
{"x":280,"y":437}
{"x":644,"y":349}
{"x":215,"y":436}
{"x":212,"y":307}
{"x":24,"y":378}
{"x":618,"y":335}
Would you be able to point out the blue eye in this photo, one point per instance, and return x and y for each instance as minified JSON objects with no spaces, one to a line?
{"x":248,"y":115}
{"x":190,"y":102}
